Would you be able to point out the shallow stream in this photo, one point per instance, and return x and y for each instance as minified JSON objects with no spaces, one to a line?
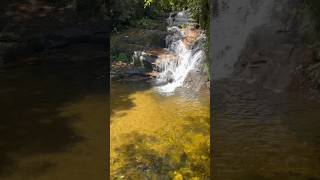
{"x":158,"y":136}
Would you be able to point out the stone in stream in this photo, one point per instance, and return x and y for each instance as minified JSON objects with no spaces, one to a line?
{"x":191,"y":35}
{"x":153,"y":60}
{"x":145,"y":65}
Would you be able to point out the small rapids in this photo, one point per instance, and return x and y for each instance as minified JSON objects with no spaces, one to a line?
{"x":188,"y":56}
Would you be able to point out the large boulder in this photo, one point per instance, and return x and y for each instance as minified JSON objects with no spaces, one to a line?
{"x":273,"y":51}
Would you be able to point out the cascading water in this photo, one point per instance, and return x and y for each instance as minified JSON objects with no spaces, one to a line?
{"x":231,"y":27}
{"x":188,"y":57}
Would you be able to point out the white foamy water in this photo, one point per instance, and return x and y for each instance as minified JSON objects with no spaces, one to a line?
{"x":174,"y":72}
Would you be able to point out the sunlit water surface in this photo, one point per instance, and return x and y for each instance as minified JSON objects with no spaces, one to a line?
{"x":158,"y":136}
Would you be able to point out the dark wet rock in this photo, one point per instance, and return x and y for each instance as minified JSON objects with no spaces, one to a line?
{"x":55,"y":41}
{"x":37,"y":28}
{"x":91,"y":33}
{"x":148,"y":38}
{"x":141,"y":47}
{"x":131,"y":76}
{"x":136,"y":40}
{"x":122,"y":71}
{"x":19,"y":45}
{"x":17,"y":51}
{"x":276,"y":54}
{"x":197,"y":79}
{"x":142,"y":59}
{"x":274,"y":50}
{"x":153,"y":60}
{"x":269,"y":58}
{"x":178,"y":18}
{"x":174,"y":34}
{"x":10,"y":37}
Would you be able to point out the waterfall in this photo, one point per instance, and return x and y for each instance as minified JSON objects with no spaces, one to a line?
{"x":231,"y":26}
{"x":188,"y":56}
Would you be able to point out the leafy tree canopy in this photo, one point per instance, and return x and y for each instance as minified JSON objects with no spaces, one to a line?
{"x":199,"y":9}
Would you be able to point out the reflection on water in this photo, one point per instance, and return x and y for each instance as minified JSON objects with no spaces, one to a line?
{"x":52,"y":121}
{"x":155,"y":136}
{"x":262,"y":135}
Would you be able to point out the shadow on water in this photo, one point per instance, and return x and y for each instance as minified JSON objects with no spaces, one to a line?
{"x":141,"y":158}
{"x":141,"y":161}
{"x":121,"y":91}
{"x":31,"y":98}
{"x":259,"y":134}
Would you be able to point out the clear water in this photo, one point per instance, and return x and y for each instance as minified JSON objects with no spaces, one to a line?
{"x":156,"y":136}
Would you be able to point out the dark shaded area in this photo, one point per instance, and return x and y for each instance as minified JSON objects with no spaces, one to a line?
{"x":143,"y":162}
{"x":314,"y":7}
{"x":131,"y":13}
{"x":32,"y":30}
{"x":263,"y":127}
{"x":120,"y":92}
{"x":52,"y":53}
{"x":30,"y":99}
{"x":262,"y":135}
{"x":122,"y":12}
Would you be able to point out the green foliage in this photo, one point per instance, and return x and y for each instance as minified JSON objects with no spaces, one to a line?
{"x":206,"y":67}
{"x":145,"y":22}
{"x":147,"y":3}
{"x":168,"y":4}
{"x":123,"y":12}
{"x":120,"y":57}
{"x":199,"y":9}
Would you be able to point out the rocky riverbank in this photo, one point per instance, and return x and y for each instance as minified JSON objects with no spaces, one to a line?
{"x":272,"y":49}
{"x":37,"y":32}
{"x":142,"y":53}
